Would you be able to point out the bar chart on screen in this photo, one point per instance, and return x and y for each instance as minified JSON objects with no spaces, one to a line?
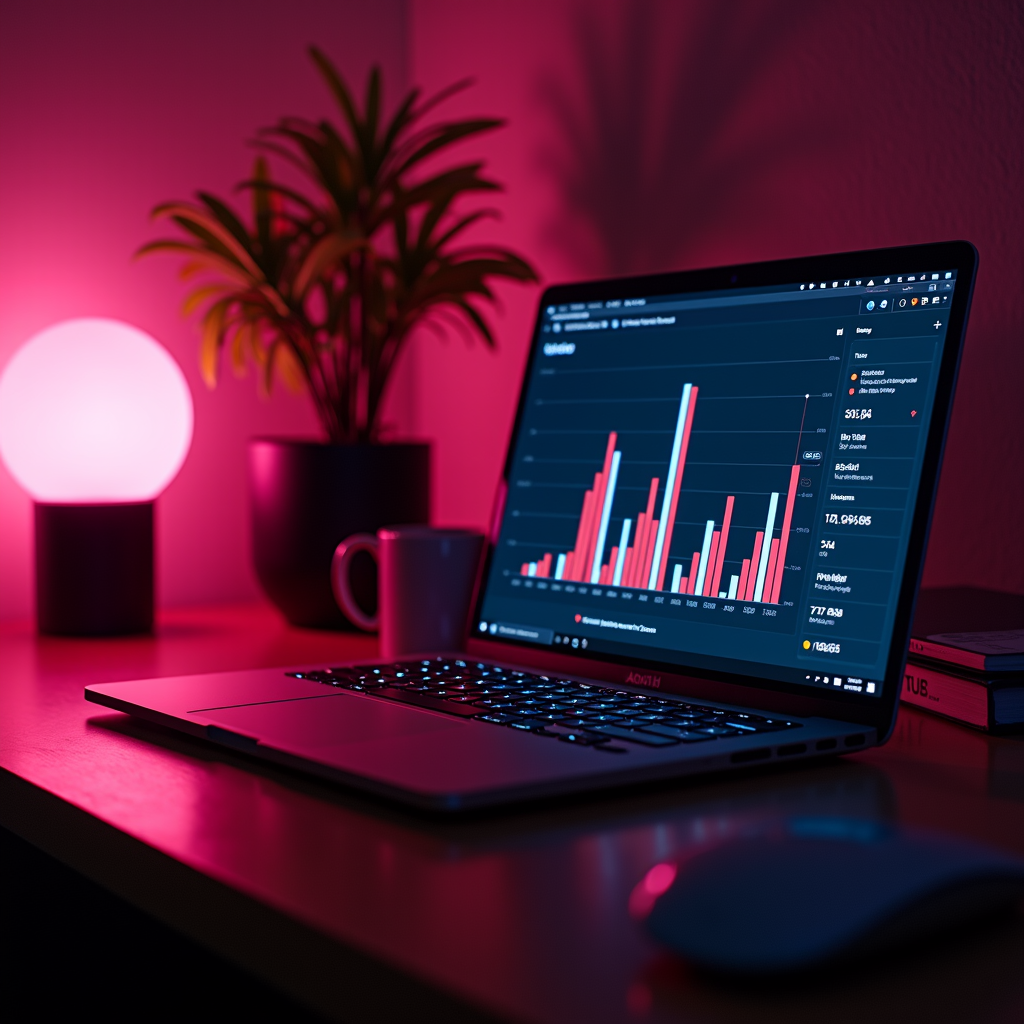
{"x":661,"y":543}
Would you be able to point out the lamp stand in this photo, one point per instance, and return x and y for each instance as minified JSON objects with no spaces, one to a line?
{"x":94,"y":569}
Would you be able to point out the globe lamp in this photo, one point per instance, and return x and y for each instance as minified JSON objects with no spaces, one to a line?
{"x":95,"y":421}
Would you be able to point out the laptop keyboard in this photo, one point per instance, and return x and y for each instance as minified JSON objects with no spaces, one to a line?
{"x":581,"y":713}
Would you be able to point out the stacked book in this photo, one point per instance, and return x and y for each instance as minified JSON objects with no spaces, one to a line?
{"x":966,"y":658}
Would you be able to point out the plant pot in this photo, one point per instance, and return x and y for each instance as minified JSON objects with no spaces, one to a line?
{"x":306,"y":498}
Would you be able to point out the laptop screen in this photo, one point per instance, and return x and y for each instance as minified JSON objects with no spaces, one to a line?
{"x":722,"y":479}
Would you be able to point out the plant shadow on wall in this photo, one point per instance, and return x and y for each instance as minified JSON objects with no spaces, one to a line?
{"x":667,"y":127}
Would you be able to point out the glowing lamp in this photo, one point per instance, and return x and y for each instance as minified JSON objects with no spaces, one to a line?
{"x":95,"y":421}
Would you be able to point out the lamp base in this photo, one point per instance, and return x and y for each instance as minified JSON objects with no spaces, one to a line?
{"x":94,"y":569}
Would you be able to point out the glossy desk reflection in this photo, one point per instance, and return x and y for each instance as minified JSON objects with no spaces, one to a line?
{"x":518,"y":915}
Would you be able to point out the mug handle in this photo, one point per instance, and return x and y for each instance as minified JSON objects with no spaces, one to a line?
{"x":341,"y":584}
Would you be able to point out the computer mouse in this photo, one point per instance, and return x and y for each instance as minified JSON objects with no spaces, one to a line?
{"x":805,"y":893}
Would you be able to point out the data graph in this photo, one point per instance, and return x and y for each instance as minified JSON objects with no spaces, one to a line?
{"x":638,"y":555}
{"x":725,"y":476}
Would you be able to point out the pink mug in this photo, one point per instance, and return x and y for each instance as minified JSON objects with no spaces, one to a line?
{"x":425,"y":585}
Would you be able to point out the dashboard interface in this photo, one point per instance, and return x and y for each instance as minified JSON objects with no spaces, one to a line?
{"x":722,"y":478}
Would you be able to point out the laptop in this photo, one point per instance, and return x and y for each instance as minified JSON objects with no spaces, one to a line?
{"x":704,"y":554}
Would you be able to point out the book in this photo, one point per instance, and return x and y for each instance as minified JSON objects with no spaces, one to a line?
{"x":969,"y":627}
{"x":966,"y":657}
{"x":993,"y":702}
{"x":1000,"y":650}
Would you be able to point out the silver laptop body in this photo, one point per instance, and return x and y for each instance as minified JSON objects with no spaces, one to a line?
{"x":704,"y":556}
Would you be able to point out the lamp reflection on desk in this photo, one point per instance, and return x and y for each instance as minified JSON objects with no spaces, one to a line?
{"x":95,"y":421}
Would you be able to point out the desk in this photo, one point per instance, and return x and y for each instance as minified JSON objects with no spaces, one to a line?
{"x":364,"y":911}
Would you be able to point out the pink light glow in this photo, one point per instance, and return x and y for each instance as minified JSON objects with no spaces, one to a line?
{"x":94,"y":410}
{"x":657,"y":881}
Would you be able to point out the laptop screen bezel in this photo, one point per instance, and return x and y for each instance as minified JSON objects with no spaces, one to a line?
{"x":879,"y":712}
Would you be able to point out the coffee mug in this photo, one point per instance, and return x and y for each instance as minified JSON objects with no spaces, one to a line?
{"x":425,"y":581}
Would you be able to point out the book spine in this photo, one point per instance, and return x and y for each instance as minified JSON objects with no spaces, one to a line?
{"x":952,"y":655}
{"x":962,"y":699}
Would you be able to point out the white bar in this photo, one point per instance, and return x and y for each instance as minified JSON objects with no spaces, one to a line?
{"x":677,"y":575}
{"x":734,"y":582}
{"x":609,"y":497}
{"x":766,"y":545}
{"x":621,"y":560}
{"x":532,"y":570}
{"x":670,"y":483}
{"x":721,"y":593}
{"x":704,"y":552}
{"x":560,"y":566}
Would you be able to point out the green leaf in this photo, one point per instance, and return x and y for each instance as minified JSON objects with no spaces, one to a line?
{"x":327,"y":251}
{"x":337,"y":86}
{"x":212,"y":339}
{"x":200,"y":295}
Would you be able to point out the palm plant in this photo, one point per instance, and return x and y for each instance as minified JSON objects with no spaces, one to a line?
{"x":325,"y":287}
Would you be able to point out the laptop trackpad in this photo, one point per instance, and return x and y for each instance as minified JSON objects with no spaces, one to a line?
{"x":326,"y":721}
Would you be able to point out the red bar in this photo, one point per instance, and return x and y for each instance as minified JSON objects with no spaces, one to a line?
{"x":567,"y":568}
{"x":652,"y":537}
{"x":675,"y":489}
{"x":787,"y":520}
{"x":641,"y":543}
{"x":754,"y":558}
{"x":587,"y":551}
{"x":600,"y":490}
{"x":525,"y":571}
{"x":684,"y":582}
{"x":709,"y":576}
{"x":639,"y":546}
{"x":694,"y":566}
{"x":630,"y":579}
{"x":769,"y":575}
{"x":719,"y":561}
{"x":588,"y":497}
{"x":544,"y":566}
{"x":741,"y":589}
{"x":613,"y":557}
{"x":627,"y":567}
{"x":582,"y":533}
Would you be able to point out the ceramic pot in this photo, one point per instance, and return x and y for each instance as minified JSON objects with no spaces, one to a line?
{"x":306,"y":498}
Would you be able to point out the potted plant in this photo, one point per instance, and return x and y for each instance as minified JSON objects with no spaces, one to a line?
{"x":322,"y":285}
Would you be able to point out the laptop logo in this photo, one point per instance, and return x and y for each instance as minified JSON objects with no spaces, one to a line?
{"x":637,"y":679}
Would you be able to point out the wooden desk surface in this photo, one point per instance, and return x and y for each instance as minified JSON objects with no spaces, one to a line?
{"x":361,"y":909}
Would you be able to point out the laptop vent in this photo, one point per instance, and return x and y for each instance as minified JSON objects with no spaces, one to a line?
{"x":791,"y":748}
{"x":743,"y":756}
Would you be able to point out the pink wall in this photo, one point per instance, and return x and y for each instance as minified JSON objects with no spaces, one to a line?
{"x":641,"y":135}
{"x":664,"y":135}
{"x":107,"y":108}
